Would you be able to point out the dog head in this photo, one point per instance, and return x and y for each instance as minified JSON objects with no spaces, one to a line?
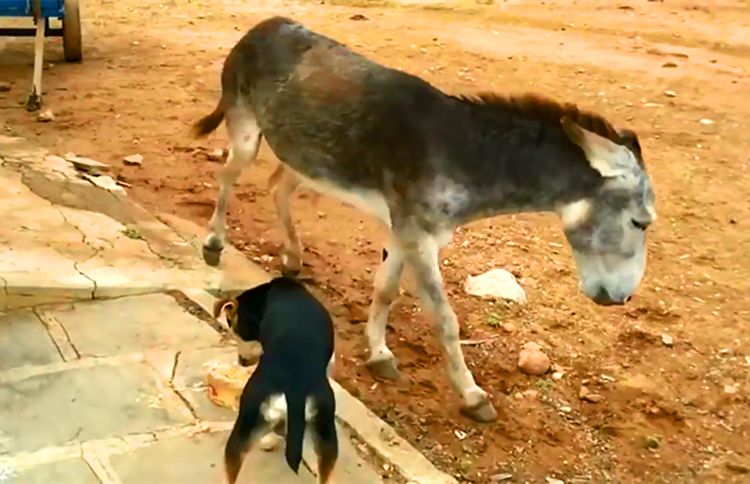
{"x":242,"y":316}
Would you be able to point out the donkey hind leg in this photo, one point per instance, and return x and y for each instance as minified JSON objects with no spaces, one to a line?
{"x":387,"y":278}
{"x":244,"y":139}
{"x":421,"y":252}
{"x":291,"y":254}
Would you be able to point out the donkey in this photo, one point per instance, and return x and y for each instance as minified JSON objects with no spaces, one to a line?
{"x":425,"y":162}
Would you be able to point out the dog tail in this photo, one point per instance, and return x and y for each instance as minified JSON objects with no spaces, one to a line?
{"x":208,"y":124}
{"x":295,"y":431}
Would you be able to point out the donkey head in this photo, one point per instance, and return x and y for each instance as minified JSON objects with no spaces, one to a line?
{"x":607,"y":229}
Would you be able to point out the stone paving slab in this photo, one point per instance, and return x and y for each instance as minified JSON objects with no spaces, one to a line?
{"x":129,"y":324}
{"x":24,"y":341}
{"x":70,"y":471}
{"x":88,"y":403}
{"x":198,"y":459}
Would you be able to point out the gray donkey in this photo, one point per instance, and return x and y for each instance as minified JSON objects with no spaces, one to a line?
{"x":425,"y":162}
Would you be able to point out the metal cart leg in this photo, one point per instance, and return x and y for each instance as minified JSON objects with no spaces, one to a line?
{"x":35,"y":97}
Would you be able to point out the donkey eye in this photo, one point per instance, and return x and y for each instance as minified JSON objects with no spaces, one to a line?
{"x":639,"y":225}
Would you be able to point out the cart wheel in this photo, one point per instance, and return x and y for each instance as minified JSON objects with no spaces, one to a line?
{"x":72,"y":32}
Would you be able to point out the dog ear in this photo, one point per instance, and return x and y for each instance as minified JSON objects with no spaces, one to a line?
{"x":226,"y":306}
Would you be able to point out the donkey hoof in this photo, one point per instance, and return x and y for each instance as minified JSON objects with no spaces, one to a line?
{"x":384,"y":368}
{"x":211,"y":255}
{"x":482,"y":412}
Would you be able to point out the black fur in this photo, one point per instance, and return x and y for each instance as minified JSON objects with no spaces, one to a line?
{"x":296,"y":334}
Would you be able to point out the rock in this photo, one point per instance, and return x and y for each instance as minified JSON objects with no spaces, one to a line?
{"x":667,"y":340}
{"x":508,"y":327}
{"x":706,"y":122}
{"x":730,"y":389}
{"x":532,"y":361}
{"x":5,"y":86}
{"x":670,"y":93}
{"x":106,"y":182}
{"x":135,"y":160}
{"x":495,"y":283}
{"x":552,"y":480}
{"x":558,"y":375}
{"x":669,"y":64}
{"x":215,"y":155}
{"x":587,"y":396}
{"x":86,"y":164}
{"x":501,"y":477}
{"x":651,"y":442}
{"x":358,"y":16}
{"x":738,"y":467}
{"x":46,"y":116}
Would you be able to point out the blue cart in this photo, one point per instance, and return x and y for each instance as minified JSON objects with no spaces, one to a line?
{"x":41,"y":11}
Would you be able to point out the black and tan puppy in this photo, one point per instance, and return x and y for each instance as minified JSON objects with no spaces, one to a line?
{"x":290,"y":384}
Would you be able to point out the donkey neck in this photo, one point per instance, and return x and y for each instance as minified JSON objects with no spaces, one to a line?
{"x":510,"y":161}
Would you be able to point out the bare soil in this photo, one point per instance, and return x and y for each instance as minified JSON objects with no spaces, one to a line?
{"x":668,"y":413}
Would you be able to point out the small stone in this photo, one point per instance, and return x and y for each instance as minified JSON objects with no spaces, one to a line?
{"x":565,"y":409}
{"x":552,"y":480}
{"x":558,"y":375}
{"x":670,"y":93}
{"x":667,"y":340}
{"x":738,"y":467}
{"x":730,"y":389}
{"x":586,"y":395}
{"x":86,"y":164}
{"x":669,"y":64}
{"x":508,"y":327}
{"x":495,"y":283}
{"x":501,"y":477}
{"x":650,"y":442}
{"x":134,"y":160}
{"x":706,"y":122}
{"x":4,"y":86}
{"x":215,"y":155}
{"x":358,"y":17}
{"x":46,"y":116}
{"x":532,"y":360}
{"x":460,"y":434}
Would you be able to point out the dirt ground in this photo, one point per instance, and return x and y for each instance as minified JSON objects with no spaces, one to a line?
{"x":676,"y":71}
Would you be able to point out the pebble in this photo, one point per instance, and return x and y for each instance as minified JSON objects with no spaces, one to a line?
{"x":46,"y":116}
{"x":501,"y":477}
{"x":706,"y":122}
{"x":667,"y":340}
{"x":509,"y":327}
{"x":4,"y":86}
{"x":495,"y":283}
{"x":586,"y":395}
{"x":670,"y":93}
{"x":86,"y":164}
{"x":532,"y":360}
{"x":552,"y":480}
{"x":216,"y":155}
{"x":669,"y":64}
{"x":730,"y":389}
{"x":136,"y":160}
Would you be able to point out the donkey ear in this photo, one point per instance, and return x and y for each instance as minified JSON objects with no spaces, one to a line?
{"x":607,"y":157}
{"x":630,"y":139}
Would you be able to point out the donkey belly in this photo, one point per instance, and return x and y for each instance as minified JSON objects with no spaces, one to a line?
{"x":369,"y":201}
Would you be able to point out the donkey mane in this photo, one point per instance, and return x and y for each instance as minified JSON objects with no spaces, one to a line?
{"x":544,"y":109}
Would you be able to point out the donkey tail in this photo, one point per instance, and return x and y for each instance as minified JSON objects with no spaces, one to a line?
{"x":208,"y":124}
{"x":295,"y":431}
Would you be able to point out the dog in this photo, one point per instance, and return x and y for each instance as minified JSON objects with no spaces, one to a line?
{"x":290,"y":386}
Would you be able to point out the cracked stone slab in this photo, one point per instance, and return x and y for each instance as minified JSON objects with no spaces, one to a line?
{"x":86,"y":403}
{"x":64,"y":471}
{"x":129,"y":324}
{"x":199,"y":458}
{"x":25,"y":341}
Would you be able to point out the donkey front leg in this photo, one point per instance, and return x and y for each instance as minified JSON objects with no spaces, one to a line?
{"x":387,"y":278}
{"x":245,"y":136}
{"x":421,"y":253}
{"x":291,"y":254}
